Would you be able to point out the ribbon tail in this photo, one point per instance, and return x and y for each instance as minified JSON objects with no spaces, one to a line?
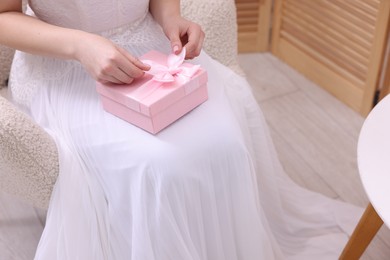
{"x":189,"y":71}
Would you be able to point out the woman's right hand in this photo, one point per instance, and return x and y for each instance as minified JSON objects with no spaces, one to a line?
{"x":107,"y":62}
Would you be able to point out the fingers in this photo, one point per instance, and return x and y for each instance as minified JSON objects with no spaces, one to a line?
{"x":110,"y":79}
{"x":183,"y":32}
{"x":129,"y":68}
{"x":113,"y":73}
{"x":107,"y":62}
{"x":123,"y":68}
{"x":120,"y":75}
{"x":139,"y":64}
{"x":176,"y":43}
{"x":195,"y":41}
{"x":200,"y":45}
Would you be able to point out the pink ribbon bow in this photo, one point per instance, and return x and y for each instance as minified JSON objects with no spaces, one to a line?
{"x":175,"y":70}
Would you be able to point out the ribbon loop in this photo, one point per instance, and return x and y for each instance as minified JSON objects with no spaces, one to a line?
{"x":175,"y":61}
{"x":174,"y":71}
{"x":174,"y":68}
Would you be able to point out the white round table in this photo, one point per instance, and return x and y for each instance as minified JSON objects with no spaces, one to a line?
{"x":374,"y":168}
{"x":374,"y":158}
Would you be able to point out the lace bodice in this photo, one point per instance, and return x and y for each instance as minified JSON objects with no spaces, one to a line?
{"x":89,"y":15}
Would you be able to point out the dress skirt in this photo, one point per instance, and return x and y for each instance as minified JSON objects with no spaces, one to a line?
{"x":208,"y":187}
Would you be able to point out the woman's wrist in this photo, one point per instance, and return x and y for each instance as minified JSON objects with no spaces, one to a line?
{"x":168,"y":20}
{"x":78,"y":41}
{"x":164,"y":10}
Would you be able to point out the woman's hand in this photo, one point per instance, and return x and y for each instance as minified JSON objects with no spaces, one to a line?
{"x":107,"y":62}
{"x":184,"y":33}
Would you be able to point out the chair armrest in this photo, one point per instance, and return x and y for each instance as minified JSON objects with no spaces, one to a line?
{"x":28,"y":157}
{"x":6,"y":55}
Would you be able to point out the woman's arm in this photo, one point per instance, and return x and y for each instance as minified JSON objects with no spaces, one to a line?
{"x":179,"y":31}
{"x":31,"y":35}
{"x":28,"y":34}
{"x":163,"y":9}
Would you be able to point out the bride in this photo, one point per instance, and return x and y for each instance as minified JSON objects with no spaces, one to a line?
{"x":209,"y":186}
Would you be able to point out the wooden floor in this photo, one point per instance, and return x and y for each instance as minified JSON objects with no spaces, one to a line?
{"x":314,"y":134}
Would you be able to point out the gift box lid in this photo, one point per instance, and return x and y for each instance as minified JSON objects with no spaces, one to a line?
{"x":148,"y":96}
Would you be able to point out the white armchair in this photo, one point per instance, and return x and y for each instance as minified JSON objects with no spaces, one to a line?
{"x":28,"y":155}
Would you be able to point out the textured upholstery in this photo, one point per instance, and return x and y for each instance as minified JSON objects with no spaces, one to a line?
{"x":218,"y":20}
{"x":28,"y":156}
{"x":5,"y":64}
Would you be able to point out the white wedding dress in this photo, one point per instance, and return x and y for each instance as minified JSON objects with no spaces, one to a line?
{"x":210,"y":186}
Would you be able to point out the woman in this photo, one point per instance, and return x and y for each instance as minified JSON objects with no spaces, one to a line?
{"x":208,"y":187}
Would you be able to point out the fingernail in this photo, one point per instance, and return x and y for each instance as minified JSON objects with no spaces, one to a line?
{"x":175,"y":48}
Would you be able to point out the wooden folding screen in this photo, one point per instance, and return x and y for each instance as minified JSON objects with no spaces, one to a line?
{"x":336,"y":43}
{"x":253,"y":18}
{"x":384,"y":83}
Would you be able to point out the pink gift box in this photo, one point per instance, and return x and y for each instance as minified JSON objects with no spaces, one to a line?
{"x":151,"y":102}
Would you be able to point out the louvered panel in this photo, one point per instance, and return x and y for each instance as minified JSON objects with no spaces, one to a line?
{"x":313,"y":32}
{"x":248,"y":28}
{"x":253,"y":24}
{"x":358,"y":51}
{"x":368,"y":4}
{"x":341,"y":39}
{"x":331,"y":48}
{"x":314,"y":43}
{"x":373,"y":3}
{"x":330,"y":64}
{"x":364,"y":7}
{"x":337,"y":20}
{"x":363,"y":20}
{"x":352,"y":11}
{"x":248,"y":21}
{"x":384,"y":82}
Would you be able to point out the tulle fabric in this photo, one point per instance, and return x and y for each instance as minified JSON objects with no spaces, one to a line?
{"x":210,"y":186}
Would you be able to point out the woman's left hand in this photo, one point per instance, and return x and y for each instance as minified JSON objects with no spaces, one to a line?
{"x":184,"y":33}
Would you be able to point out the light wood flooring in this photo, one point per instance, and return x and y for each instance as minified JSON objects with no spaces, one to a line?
{"x":314,"y":134}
